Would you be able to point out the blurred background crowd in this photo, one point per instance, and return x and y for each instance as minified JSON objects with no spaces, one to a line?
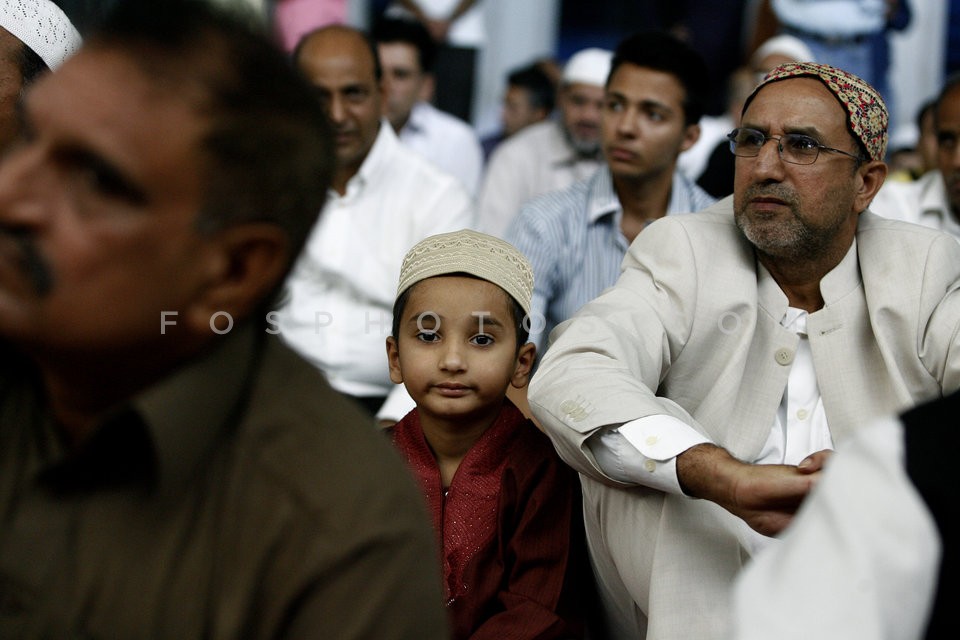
{"x":921,"y":41}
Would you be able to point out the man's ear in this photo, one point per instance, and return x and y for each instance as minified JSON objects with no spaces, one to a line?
{"x":246,"y":264}
{"x":871,"y":176}
{"x":393,"y":360}
{"x":427,"y":87}
{"x":690,"y":136}
{"x":521,"y":371}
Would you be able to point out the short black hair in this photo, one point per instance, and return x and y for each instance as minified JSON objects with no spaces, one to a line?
{"x":31,"y":66}
{"x":269,"y":145}
{"x":518,"y":316}
{"x":951,"y":83}
{"x":542,"y":91}
{"x":926,"y":108}
{"x":661,"y":51}
{"x":389,"y":30}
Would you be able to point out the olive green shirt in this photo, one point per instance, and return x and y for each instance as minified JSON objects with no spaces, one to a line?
{"x":238,"y":498}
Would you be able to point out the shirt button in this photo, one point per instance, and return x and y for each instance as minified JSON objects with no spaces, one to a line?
{"x":802,"y":414}
{"x":650,"y":466}
{"x":652,"y":440}
{"x":783,"y":356}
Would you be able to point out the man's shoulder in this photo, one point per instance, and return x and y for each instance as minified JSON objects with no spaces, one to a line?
{"x":308,"y":445}
{"x":442,"y":124}
{"x":715,"y":218}
{"x":899,"y":200}
{"x":402,"y":166}
{"x":711,"y":236}
{"x":918,"y":248}
{"x":530,"y":141}
{"x":561,"y":205}
{"x":872,"y":226}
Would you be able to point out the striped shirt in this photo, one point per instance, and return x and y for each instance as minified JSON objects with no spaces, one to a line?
{"x":575,"y":244}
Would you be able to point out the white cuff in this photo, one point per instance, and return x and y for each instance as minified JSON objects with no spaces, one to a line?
{"x":644,"y":451}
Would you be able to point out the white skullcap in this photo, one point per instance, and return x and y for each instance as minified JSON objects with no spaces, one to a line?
{"x":42,"y":26}
{"x":589,"y":66}
{"x":785,"y":45}
{"x":473,"y":253}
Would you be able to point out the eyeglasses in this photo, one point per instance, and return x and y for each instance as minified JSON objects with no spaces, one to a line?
{"x":794,"y":148}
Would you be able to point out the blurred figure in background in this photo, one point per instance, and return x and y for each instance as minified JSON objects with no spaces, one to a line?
{"x":529,"y":99}
{"x":457,"y":27}
{"x":933,"y":200}
{"x":407,"y":56}
{"x":293,"y":19}
{"x":711,"y":150}
{"x":384,"y":199}
{"x":552,"y":154}
{"x":168,"y":468}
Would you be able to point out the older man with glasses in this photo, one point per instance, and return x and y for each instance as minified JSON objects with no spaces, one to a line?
{"x":739,"y":345}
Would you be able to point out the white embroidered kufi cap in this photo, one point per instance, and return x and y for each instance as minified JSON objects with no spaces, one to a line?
{"x":42,"y":26}
{"x":786,"y":45}
{"x":473,"y":253}
{"x":589,"y":66}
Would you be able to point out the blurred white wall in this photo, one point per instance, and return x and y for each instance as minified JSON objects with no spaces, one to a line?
{"x":917,"y":65}
{"x":518,"y":32}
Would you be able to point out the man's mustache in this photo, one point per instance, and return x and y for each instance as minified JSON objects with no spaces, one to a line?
{"x":32,"y":263}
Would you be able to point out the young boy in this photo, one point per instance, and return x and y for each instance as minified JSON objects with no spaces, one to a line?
{"x":505,"y":508}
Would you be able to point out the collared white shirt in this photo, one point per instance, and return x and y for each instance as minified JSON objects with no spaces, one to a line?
{"x":923,"y":201}
{"x":446,"y":141}
{"x":535,"y":160}
{"x":342,"y":289}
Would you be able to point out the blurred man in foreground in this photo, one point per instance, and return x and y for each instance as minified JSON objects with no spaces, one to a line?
{"x":168,"y":469}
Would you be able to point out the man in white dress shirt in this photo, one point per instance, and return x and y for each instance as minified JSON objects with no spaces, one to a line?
{"x":406,"y":55}
{"x":385,"y":198}
{"x":550,"y":155}
{"x":932,"y":200}
{"x":696,"y":396}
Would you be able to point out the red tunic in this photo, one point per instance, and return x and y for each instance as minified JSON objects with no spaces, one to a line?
{"x":510,"y":530}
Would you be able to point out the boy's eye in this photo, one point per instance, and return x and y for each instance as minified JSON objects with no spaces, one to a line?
{"x":482,"y":340}
{"x":428,"y":336}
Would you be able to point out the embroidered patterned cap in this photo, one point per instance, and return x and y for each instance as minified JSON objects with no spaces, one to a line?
{"x":866,"y":113}
{"x":42,"y":26}
{"x":473,"y":253}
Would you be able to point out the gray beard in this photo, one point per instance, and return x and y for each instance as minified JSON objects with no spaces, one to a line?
{"x":584,"y":149}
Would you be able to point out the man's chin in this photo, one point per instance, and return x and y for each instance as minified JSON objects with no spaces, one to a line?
{"x":585,"y":148}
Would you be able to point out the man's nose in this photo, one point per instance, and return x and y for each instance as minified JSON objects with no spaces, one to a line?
{"x":768,"y":163}
{"x":22,"y":192}
{"x":336,"y":109}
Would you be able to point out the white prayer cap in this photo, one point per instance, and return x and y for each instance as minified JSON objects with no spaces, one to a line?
{"x":473,"y":253}
{"x":589,"y":66}
{"x":42,"y":26}
{"x":785,"y":45}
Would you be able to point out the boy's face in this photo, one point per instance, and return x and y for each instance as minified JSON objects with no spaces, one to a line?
{"x":456,"y":350}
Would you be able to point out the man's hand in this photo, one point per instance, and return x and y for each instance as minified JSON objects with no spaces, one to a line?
{"x":764,"y":496}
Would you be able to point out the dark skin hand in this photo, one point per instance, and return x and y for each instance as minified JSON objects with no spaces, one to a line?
{"x":764,"y":496}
